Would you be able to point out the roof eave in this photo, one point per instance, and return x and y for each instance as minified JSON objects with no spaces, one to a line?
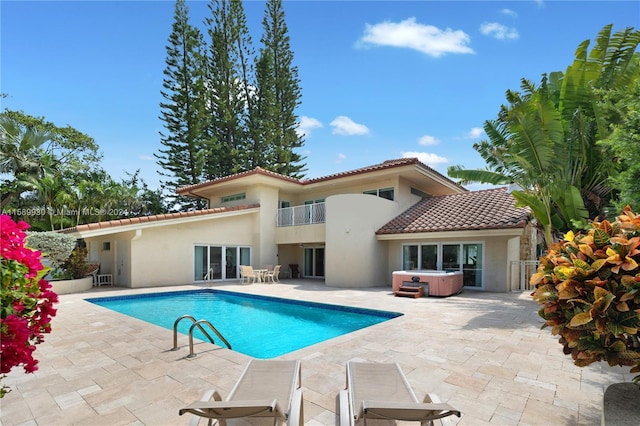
{"x":116,"y":229}
{"x":471,"y":233}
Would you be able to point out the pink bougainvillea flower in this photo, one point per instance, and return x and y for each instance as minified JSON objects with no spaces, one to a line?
{"x":27,"y":299}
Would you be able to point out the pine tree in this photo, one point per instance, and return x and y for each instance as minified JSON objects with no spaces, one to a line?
{"x":229,"y":85}
{"x":277,"y":75}
{"x":183,"y":111}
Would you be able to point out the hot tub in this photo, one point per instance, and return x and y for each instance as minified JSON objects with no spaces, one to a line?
{"x":441,"y":283}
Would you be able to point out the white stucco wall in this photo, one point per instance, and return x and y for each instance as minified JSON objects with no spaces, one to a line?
{"x":353,"y":256}
{"x":266,"y":250}
{"x":165,"y":255}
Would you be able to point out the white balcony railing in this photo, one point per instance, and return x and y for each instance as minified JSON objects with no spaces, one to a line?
{"x":302,"y":215}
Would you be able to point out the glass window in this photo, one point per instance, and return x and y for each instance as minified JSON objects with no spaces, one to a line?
{"x":467,"y":258}
{"x":200,"y":267}
{"x":245,"y":256}
{"x":409,"y":258}
{"x":386,"y":193}
{"x":419,"y":193}
{"x":429,"y":257}
{"x":451,"y":257}
{"x":472,"y":264}
{"x":215,"y":263}
{"x":231,"y":263}
{"x":233,"y":197}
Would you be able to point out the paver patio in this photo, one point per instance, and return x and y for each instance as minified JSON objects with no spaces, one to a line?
{"x":483,"y":353}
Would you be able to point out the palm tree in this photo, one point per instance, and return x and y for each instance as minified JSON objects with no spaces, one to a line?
{"x":546,"y":140}
{"x":22,"y":156}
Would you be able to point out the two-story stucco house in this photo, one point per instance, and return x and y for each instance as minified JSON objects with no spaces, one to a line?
{"x":352,"y":229}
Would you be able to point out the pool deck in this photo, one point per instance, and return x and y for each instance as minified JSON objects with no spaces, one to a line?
{"x":483,"y":353}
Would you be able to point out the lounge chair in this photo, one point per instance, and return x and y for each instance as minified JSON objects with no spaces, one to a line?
{"x":266,"y":388}
{"x":381,"y":391}
{"x":273,"y":275}
{"x":247,"y":275}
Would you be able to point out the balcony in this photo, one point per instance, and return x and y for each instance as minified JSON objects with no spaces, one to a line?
{"x":307,"y":214}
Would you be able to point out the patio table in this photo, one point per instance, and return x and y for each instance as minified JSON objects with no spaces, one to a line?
{"x":260,"y":274}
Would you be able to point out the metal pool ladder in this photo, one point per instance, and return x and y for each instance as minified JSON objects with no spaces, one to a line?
{"x":196,"y":323}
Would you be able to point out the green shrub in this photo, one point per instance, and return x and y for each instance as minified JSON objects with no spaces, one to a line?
{"x":54,"y":246}
{"x":76,"y":265}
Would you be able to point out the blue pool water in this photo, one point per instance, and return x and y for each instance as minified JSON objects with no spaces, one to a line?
{"x":258,"y":326}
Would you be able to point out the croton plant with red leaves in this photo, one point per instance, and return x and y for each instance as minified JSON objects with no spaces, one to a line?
{"x":589,"y":287}
{"x":27,"y":300}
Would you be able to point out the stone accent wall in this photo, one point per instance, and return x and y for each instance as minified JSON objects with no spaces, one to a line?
{"x":529,"y":242}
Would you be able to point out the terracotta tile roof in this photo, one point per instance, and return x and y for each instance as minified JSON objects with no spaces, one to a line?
{"x":155,"y":218}
{"x":381,"y":166}
{"x":474,"y":210}
{"x":256,"y":171}
{"x":259,"y":170}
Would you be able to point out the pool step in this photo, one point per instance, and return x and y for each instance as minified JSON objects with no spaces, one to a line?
{"x":407,"y":291}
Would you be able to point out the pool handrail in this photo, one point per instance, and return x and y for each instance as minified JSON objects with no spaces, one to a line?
{"x":198,"y":324}
{"x":175,"y":330}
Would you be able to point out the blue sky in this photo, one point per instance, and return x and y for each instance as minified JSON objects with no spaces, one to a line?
{"x":380,"y":79}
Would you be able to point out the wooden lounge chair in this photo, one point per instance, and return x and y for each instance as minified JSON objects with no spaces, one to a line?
{"x":247,"y":275}
{"x":381,"y":391}
{"x":266,"y":388}
{"x":273,"y":275}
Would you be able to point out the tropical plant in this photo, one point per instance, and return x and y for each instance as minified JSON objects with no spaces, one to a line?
{"x":624,"y":142}
{"x":22,"y":156}
{"x":76,"y":266}
{"x":589,"y":287}
{"x":27,"y":300}
{"x":546,"y":140}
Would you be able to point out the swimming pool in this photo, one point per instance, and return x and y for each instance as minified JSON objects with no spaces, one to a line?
{"x":258,"y":326}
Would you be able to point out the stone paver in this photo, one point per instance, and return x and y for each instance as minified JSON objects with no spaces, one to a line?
{"x":483,"y":353}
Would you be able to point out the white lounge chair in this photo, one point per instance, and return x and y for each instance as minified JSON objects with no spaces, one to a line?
{"x":247,"y":275}
{"x":381,"y":391}
{"x":266,"y":388}
{"x":273,"y":275}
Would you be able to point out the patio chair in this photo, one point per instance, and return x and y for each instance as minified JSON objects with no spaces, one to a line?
{"x":266,"y":388}
{"x":273,"y":275}
{"x":381,"y":391}
{"x":295,"y":272}
{"x":247,"y":275}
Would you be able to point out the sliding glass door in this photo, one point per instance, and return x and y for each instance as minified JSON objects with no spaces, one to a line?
{"x":472,"y":264}
{"x":210,"y":264}
{"x":314,"y":262}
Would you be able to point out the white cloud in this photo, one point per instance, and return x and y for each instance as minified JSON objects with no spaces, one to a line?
{"x":509,"y":12}
{"x":306,"y":125}
{"x":475,"y":133}
{"x":427,"y":140}
{"x":499,"y":31}
{"x":412,"y":35}
{"x":345,"y":126}
{"x":431,"y":160}
{"x":341,"y":157}
{"x":146,"y":157}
